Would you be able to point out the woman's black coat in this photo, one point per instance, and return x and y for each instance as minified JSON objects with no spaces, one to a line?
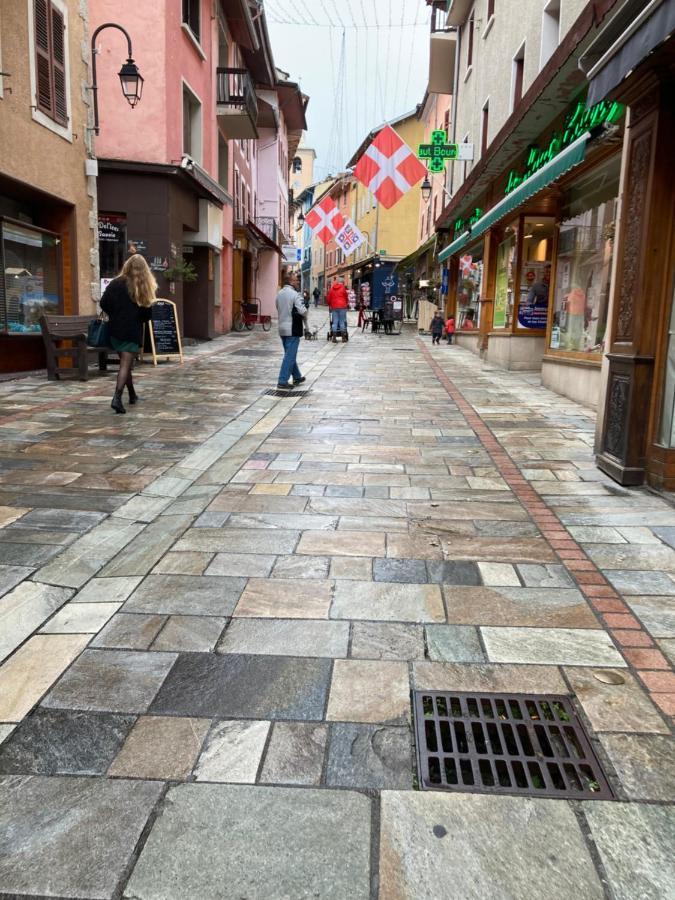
{"x":126,"y":317}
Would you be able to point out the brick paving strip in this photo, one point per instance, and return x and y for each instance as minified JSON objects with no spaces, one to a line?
{"x":634,"y":642}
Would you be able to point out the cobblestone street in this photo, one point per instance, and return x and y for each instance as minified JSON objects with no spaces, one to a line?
{"x":213,"y":611}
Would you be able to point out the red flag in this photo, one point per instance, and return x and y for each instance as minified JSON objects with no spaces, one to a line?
{"x":325,"y":220}
{"x":389,"y":168}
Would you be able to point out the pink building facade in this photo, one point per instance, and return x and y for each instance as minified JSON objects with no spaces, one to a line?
{"x":180,"y":176}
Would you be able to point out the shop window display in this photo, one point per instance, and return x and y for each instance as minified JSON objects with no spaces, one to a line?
{"x":535,"y":273}
{"x":31,"y":277}
{"x":468,"y":290}
{"x":505,"y":279}
{"x":584,"y":262}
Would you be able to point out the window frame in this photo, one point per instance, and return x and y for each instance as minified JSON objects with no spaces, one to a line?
{"x":196,"y":149}
{"x":49,"y":118}
{"x":188,"y":9}
{"x":517,"y":76}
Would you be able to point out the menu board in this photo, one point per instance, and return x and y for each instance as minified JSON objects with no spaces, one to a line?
{"x":163,"y":332}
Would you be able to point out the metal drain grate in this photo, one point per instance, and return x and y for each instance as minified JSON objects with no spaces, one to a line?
{"x":505,"y":744}
{"x":273,"y":392}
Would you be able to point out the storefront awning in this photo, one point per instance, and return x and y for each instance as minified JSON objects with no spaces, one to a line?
{"x":632,"y":34}
{"x":415,"y":255}
{"x":549,"y":173}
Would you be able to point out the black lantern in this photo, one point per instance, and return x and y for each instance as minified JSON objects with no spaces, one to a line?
{"x":301,"y":219}
{"x":132,"y":82}
{"x":426,"y":189}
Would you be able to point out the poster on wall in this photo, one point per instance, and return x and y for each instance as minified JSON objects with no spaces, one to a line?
{"x":534,"y":294}
{"x":502,"y":285}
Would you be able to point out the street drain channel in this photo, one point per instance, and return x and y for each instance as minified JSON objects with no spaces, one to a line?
{"x":528,"y":744}
{"x":272,"y":392}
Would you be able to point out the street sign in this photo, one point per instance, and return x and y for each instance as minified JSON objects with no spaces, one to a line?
{"x":292,"y":254}
{"x":439,"y":151}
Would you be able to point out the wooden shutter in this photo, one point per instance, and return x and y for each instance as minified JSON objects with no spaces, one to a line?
{"x":59,"y":66}
{"x":43,"y":56}
{"x":50,"y":61}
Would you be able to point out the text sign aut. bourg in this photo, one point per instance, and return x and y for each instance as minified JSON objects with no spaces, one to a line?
{"x":577,"y":123}
{"x":439,"y":151}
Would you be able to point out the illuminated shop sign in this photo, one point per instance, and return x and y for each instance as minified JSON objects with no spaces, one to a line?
{"x":577,"y":123}
{"x":468,"y":222}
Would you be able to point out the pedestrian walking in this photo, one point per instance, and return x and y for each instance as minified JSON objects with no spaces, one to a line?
{"x":338,"y":301}
{"x":436,"y":327}
{"x":450,"y":328}
{"x":127,"y":301}
{"x":316,"y":293}
{"x":291,"y":313}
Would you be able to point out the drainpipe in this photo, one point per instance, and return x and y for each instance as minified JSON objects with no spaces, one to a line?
{"x":454,"y":103}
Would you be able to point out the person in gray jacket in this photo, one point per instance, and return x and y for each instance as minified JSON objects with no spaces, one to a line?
{"x":291,"y":312}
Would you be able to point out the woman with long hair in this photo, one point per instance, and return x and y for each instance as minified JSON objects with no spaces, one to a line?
{"x":127,"y":301}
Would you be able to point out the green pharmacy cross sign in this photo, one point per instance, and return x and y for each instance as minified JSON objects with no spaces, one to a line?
{"x":438,"y":151}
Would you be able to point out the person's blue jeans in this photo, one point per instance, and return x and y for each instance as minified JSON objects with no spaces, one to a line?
{"x":338,"y":320}
{"x":289,"y":366}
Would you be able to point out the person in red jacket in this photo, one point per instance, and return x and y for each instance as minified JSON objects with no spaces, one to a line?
{"x":338,"y":303}
{"x":450,"y":328}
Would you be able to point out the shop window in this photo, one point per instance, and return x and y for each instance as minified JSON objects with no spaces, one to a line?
{"x":505,"y":278}
{"x":584,"y":261}
{"x":550,"y":31}
{"x":517,"y":77}
{"x":50,"y":61}
{"x":468,"y":288}
{"x":112,"y":244}
{"x":192,"y":125}
{"x":191,"y":15}
{"x":31,"y":277}
{"x":535,"y":272}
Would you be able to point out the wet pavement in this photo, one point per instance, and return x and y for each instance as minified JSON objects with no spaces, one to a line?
{"x":213,"y":611}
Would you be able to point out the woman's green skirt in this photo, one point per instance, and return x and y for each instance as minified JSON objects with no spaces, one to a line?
{"x":124,"y":346}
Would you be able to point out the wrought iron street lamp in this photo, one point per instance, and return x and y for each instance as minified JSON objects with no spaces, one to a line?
{"x":130,"y":78}
{"x":426,"y":189}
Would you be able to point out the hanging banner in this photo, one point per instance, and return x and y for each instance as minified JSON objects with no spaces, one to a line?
{"x":349,"y":238}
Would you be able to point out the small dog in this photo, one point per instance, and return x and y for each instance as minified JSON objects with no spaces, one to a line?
{"x":310,"y":334}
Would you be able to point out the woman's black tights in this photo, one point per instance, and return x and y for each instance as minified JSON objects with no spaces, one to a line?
{"x":124,"y":375}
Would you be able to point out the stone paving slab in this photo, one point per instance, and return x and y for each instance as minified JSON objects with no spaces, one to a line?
{"x":245,"y":686}
{"x":70,"y":837}
{"x":203,"y":838}
{"x":497,"y":847}
{"x":635,"y":843}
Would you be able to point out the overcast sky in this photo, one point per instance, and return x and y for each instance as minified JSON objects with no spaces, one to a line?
{"x":374,"y":74}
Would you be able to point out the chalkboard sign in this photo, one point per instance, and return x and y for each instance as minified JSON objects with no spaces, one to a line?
{"x":163,"y":332}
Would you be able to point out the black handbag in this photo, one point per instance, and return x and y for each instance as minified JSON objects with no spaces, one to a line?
{"x":98,"y":333}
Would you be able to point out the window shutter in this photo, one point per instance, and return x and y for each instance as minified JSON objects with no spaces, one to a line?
{"x":59,"y":67}
{"x":43,"y":68}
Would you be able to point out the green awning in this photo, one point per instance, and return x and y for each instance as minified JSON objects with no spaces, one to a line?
{"x":563,"y":162}
{"x":454,"y":247}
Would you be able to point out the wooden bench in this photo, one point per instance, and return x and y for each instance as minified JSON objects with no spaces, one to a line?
{"x":56,"y":330}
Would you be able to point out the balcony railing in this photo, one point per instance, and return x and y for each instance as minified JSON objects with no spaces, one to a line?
{"x":270,"y":227}
{"x":236,"y":98}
